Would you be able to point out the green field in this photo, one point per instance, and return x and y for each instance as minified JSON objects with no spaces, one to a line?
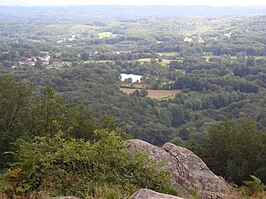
{"x":67,"y":62}
{"x":207,"y":57}
{"x":105,"y":35}
{"x":164,"y":62}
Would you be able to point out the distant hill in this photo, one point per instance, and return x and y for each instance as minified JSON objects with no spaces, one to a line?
{"x":78,"y":13}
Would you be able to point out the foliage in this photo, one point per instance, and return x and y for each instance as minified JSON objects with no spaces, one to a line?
{"x":254,"y":187}
{"x":63,"y":166}
{"x":235,"y":151}
{"x":24,"y":116}
{"x":15,"y":98}
{"x":221,"y":72}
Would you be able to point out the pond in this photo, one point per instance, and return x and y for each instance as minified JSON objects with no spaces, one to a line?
{"x":135,"y":78}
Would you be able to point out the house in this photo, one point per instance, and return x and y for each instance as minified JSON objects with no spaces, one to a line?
{"x":45,"y":63}
{"x":57,"y":64}
{"x":21,"y":63}
{"x":32,"y":61}
{"x":35,"y":59}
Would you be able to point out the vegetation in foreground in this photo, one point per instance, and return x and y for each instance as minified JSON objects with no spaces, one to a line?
{"x":61,"y":149}
{"x":60,"y":166}
{"x":64,"y":150}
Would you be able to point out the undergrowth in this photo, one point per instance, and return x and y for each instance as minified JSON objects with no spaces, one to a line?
{"x":89,"y":169}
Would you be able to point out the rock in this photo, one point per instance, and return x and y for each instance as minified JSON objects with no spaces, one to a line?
{"x":199,"y":174}
{"x":187,"y":169}
{"x":179,"y":172}
{"x":149,"y":194}
{"x":212,"y":195}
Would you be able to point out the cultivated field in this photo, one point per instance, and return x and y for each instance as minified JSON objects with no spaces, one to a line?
{"x":156,"y":94}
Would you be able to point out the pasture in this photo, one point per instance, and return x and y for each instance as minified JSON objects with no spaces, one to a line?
{"x":155,"y":94}
{"x":164,"y":62}
{"x":104,"y":35}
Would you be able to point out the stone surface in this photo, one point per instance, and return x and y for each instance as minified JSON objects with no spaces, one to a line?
{"x":187,"y":169}
{"x":179,"y":172}
{"x":149,"y":194}
{"x":198,"y":173}
{"x":212,"y":195}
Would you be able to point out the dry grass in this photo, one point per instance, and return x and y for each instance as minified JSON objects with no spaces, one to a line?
{"x":106,"y":193}
{"x":28,"y":196}
{"x":155,"y":94}
{"x":235,"y":193}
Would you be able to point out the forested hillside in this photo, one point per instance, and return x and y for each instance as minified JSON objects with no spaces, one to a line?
{"x":62,"y":75}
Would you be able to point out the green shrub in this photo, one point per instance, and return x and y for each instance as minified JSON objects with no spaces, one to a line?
{"x":254,"y":187}
{"x":63,"y":166}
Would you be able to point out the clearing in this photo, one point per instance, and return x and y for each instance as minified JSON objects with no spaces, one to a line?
{"x":156,"y":94}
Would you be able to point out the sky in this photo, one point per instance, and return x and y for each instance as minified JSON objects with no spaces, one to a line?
{"x":216,"y":3}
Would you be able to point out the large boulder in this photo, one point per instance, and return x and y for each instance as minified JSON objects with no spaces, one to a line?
{"x":187,"y":169}
{"x":178,"y":171}
{"x":149,"y":194}
{"x":198,"y":173}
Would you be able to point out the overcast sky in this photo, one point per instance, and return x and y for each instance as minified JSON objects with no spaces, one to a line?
{"x":133,"y":2}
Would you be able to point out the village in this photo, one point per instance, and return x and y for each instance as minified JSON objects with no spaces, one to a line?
{"x":45,"y":61}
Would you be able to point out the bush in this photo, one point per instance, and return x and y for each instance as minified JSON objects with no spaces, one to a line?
{"x":254,"y":188}
{"x":63,"y":166}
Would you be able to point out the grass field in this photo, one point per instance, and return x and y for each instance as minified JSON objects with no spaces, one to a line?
{"x":155,"y":94}
{"x":208,"y":55}
{"x":164,"y":62}
{"x":144,"y":60}
{"x":104,"y":35}
{"x":67,"y":62}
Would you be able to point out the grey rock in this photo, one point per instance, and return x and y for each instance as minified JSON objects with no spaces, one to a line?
{"x":165,"y":162}
{"x":187,"y":169}
{"x":149,"y":194}
{"x":199,"y":174}
{"x":212,"y":195}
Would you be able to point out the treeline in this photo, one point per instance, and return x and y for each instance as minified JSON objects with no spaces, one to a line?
{"x":205,"y":97}
{"x":234,"y":150}
{"x":25,"y":116}
{"x":54,"y":147}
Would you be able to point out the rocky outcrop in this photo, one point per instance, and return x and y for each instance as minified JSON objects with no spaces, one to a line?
{"x":149,"y":194}
{"x":198,"y":173}
{"x":187,"y":169}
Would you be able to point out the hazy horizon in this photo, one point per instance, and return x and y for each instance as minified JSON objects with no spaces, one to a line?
{"x":225,"y":3}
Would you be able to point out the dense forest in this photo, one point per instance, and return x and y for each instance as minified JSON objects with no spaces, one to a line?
{"x":61,"y":83}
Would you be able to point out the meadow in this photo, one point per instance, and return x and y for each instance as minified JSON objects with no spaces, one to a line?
{"x":155,"y":94}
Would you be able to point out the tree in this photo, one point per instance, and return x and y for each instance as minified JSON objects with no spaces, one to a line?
{"x":235,"y":150}
{"x":15,"y":99}
{"x":143,"y":92}
{"x":251,"y":61}
{"x":38,"y":65}
{"x":128,"y":80}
